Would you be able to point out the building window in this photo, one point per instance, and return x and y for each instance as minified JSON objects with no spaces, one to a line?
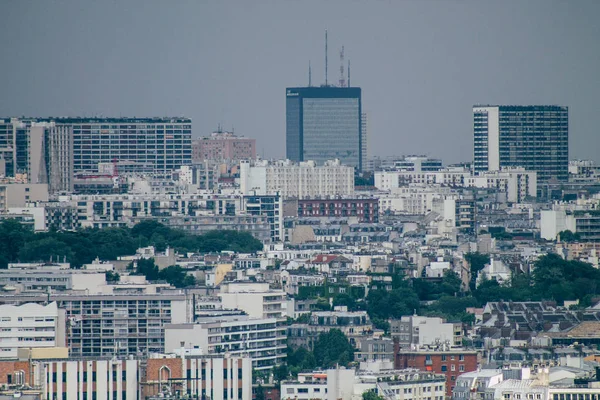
{"x":461,"y":357}
{"x":461,"y":368}
{"x":443,"y":357}
{"x":444,"y":368}
{"x":452,"y":367}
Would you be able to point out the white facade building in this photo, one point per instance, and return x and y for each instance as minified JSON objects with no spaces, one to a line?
{"x":517,"y":183}
{"x":55,"y":277}
{"x":291,"y":180}
{"x":254,"y":298}
{"x":263,"y":339}
{"x":30,"y":325}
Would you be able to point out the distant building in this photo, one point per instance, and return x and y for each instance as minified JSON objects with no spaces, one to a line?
{"x":365,"y":209}
{"x":30,"y":325}
{"x":413,"y":331}
{"x":451,"y":363}
{"x":533,"y":137}
{"x":223,"y":146}
{"x":263,"y":339}
{"x":325,"y":123}
{"x":301,"y":180}
{"x":254,"y":298}
{"x":197,"y":376}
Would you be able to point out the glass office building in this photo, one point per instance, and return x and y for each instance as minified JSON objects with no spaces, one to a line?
{"x":325,"y":123}
{"x":533,"y":137}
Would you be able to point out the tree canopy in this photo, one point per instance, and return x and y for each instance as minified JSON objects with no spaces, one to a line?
{"x":20,"y":244}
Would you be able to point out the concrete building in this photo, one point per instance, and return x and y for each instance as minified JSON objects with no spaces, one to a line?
{"x":374,"y":349}
{"x":15,"y":195}
{"x":198,"y":376}
{"x":413,"y":331}
{"x":120,"y":324}
{"x":54,"y":277}
{"x":365,"y":209}
{"x":262,"y":339}
{"x":586,"y":223}
{"x":302,"y":180}
{"x":517,"y":183}
{"x":451,"y":363}
{"x":533,"y":137}
{"x":40,"y":150}
{"x":254,"y":298}
{"x":325,"y":123}
{"x":223,"y":146}
{"x":356,"y":325}
{"x":332,"y":384}
{"x":418,"y":164}
{"x":30,"y":325}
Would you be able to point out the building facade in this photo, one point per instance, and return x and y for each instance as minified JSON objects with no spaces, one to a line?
{"x":451,"y":363}
{"x":325,"y":123}
{"x":366,"y":209}
{"x":121,"y":325}
{"x":30,"y":325}
{"x":296,"y":180}
{"x":532,"y":137}
{"x":262,"y":339}
{"x":223,"y":146}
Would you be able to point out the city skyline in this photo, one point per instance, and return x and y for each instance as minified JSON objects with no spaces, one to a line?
{"x":410,"y":59}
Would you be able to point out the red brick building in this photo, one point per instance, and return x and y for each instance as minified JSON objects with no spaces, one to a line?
{"x":450,"y":363}
{"x":367,"y":209}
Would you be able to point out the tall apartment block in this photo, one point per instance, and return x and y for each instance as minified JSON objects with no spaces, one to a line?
{"x":38,"y":151}
{"x":223,"y":146}
{"x":533,"y":137}
{"x":165,"y":143}
{"x":325,"y":123}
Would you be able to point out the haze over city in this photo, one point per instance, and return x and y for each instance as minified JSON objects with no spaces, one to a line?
{"x":422,"y":65}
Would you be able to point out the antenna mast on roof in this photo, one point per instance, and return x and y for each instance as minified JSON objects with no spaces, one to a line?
{"x":342,"y":78}
{"x":348,"y":73}
{"x":325,"y":57}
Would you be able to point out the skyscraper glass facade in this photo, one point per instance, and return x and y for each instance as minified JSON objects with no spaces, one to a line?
{"x":324,"y":123}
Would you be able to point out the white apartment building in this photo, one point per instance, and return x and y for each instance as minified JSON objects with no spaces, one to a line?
{"x":30,"y":325}
{"x":254,"y":298}
{"x":291,"y":180}
{"x":517,"y":183}
{"x":414,"y":199}
{"x":100,"y":325}
{"x":52,"y":276}
{"x":414,"y":331}
{"x":263,"y":339}
{"x":347,"y":384}
{"x":333,"y":384}
{"x":89,"y":379}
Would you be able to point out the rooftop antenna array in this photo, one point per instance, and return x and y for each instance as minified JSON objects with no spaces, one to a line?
{"x":348,"y":73}
{"x":325,"y":57}
{"x":342,"y":78}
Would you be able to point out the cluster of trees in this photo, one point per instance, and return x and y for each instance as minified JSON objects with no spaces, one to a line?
{"x":175,"y":275}
{"x":330,"y":349}
{"x":553,"y":278}
{"x":19,"y":244}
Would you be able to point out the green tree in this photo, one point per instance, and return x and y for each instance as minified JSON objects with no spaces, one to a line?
{"x":112,"y":276}
{"x":176,"y":276}
{"x":477,"y":262}
{"x":371,"y":395}
{"x":568,"y":236}
{"x":332,"y":348}
{"x":146,"y":267}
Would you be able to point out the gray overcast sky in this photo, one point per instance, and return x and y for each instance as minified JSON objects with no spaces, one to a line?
{"x":421,"y":64}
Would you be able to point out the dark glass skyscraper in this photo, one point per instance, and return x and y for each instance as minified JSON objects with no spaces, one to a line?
{"x":325,"y":123}
{"x":533,"y":137}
